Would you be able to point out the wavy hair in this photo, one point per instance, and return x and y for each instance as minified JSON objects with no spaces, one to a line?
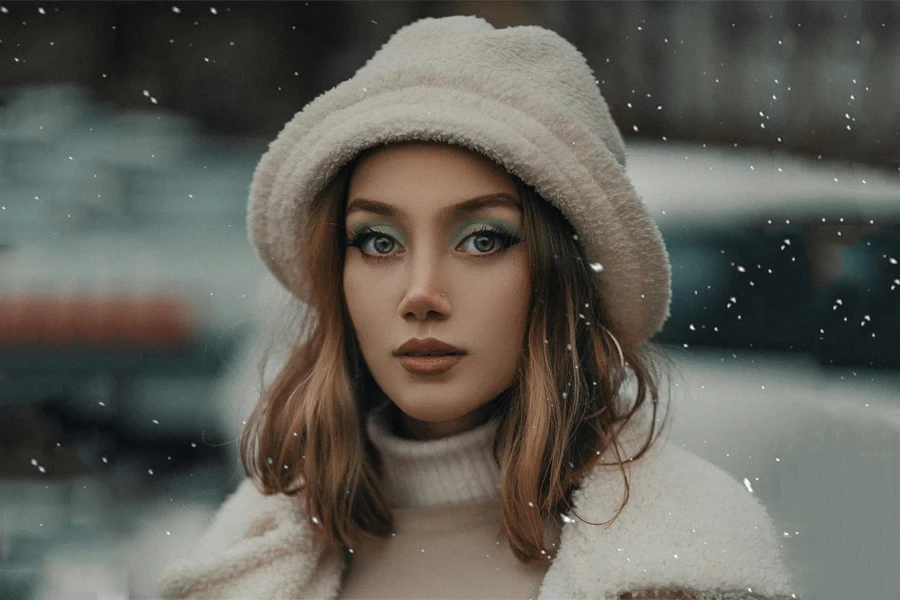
{"x":569,"y":401}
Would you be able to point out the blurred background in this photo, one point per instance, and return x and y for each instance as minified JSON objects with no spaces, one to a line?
{"x":763,"y":136}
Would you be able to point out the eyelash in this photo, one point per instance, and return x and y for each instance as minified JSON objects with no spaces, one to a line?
{"x":506,"y":238}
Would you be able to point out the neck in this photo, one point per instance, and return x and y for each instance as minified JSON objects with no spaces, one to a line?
{"x":456,"y":468}
{"x":410,"y":428}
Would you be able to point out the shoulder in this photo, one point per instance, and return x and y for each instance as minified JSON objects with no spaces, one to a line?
{"x":688,"y":524}
{"x":671,"y":485}
{"x":246,"y":512}
{"x":675,"y":488}
{"x":249,"y":532}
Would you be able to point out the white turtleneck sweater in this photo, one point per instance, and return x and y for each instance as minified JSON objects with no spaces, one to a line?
{"x":445,"y":497}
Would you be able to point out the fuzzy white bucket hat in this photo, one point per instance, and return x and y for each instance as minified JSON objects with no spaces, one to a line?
{"x":522,"y":96}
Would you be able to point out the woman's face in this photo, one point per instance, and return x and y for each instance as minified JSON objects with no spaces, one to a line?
{"x":425,"y":250}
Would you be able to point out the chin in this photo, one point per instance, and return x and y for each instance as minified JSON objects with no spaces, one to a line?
{"x":433,"y":411}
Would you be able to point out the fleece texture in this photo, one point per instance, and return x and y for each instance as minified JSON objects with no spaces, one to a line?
{"x":687,"y":526}
{"x":522,"y":96}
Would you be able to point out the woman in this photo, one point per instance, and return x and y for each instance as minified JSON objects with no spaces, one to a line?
{"x":467,"y":187}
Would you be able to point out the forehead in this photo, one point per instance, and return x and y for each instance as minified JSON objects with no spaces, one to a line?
{"x":448,"y":180}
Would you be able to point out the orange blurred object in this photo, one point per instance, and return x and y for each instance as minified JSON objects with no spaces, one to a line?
{"x":108,"y":319}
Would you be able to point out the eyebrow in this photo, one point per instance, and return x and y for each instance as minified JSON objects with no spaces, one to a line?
{"x":457,"y":211}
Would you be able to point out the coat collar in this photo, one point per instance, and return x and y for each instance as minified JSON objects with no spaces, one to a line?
{"x":688,"y":525}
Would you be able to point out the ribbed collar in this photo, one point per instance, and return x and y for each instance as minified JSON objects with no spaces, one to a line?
{"x":425,"y":473}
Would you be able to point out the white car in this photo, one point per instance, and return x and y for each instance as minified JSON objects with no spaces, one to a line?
{"x":776,"y":252}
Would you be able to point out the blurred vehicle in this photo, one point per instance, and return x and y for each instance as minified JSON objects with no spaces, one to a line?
{"x":126,"y":274}
{"x":773,"y":251}
{"x":126,"y":284}
{"x":785,"y":331}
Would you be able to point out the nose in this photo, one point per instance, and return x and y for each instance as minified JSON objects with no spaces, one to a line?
{"x":424,"y":289}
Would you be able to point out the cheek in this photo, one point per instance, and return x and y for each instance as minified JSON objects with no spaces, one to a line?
{"x":355,"y":287}
{"x":507,"y":304}
{"x":366,"y":296}
{"x":357,"y":283}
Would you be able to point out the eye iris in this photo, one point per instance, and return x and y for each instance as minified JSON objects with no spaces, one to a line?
{"x":489,"y":239}
{"x":381,"y":247}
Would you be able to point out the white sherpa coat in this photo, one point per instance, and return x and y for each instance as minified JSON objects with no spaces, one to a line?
{"x":688,"y":525}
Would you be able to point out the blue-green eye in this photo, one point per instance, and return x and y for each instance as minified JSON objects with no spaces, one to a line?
{"x":501,"y":238}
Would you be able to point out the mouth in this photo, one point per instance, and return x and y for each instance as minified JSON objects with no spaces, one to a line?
{"x":430,"y":364}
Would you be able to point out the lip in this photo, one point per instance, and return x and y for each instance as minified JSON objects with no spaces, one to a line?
{"x":430,"y":365}
{"x":430,"y":345}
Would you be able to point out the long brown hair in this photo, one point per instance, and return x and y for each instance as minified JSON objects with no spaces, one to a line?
{"x":564,"y":410}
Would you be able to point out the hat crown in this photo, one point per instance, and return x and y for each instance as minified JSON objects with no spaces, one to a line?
{"x":533,"y":61}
